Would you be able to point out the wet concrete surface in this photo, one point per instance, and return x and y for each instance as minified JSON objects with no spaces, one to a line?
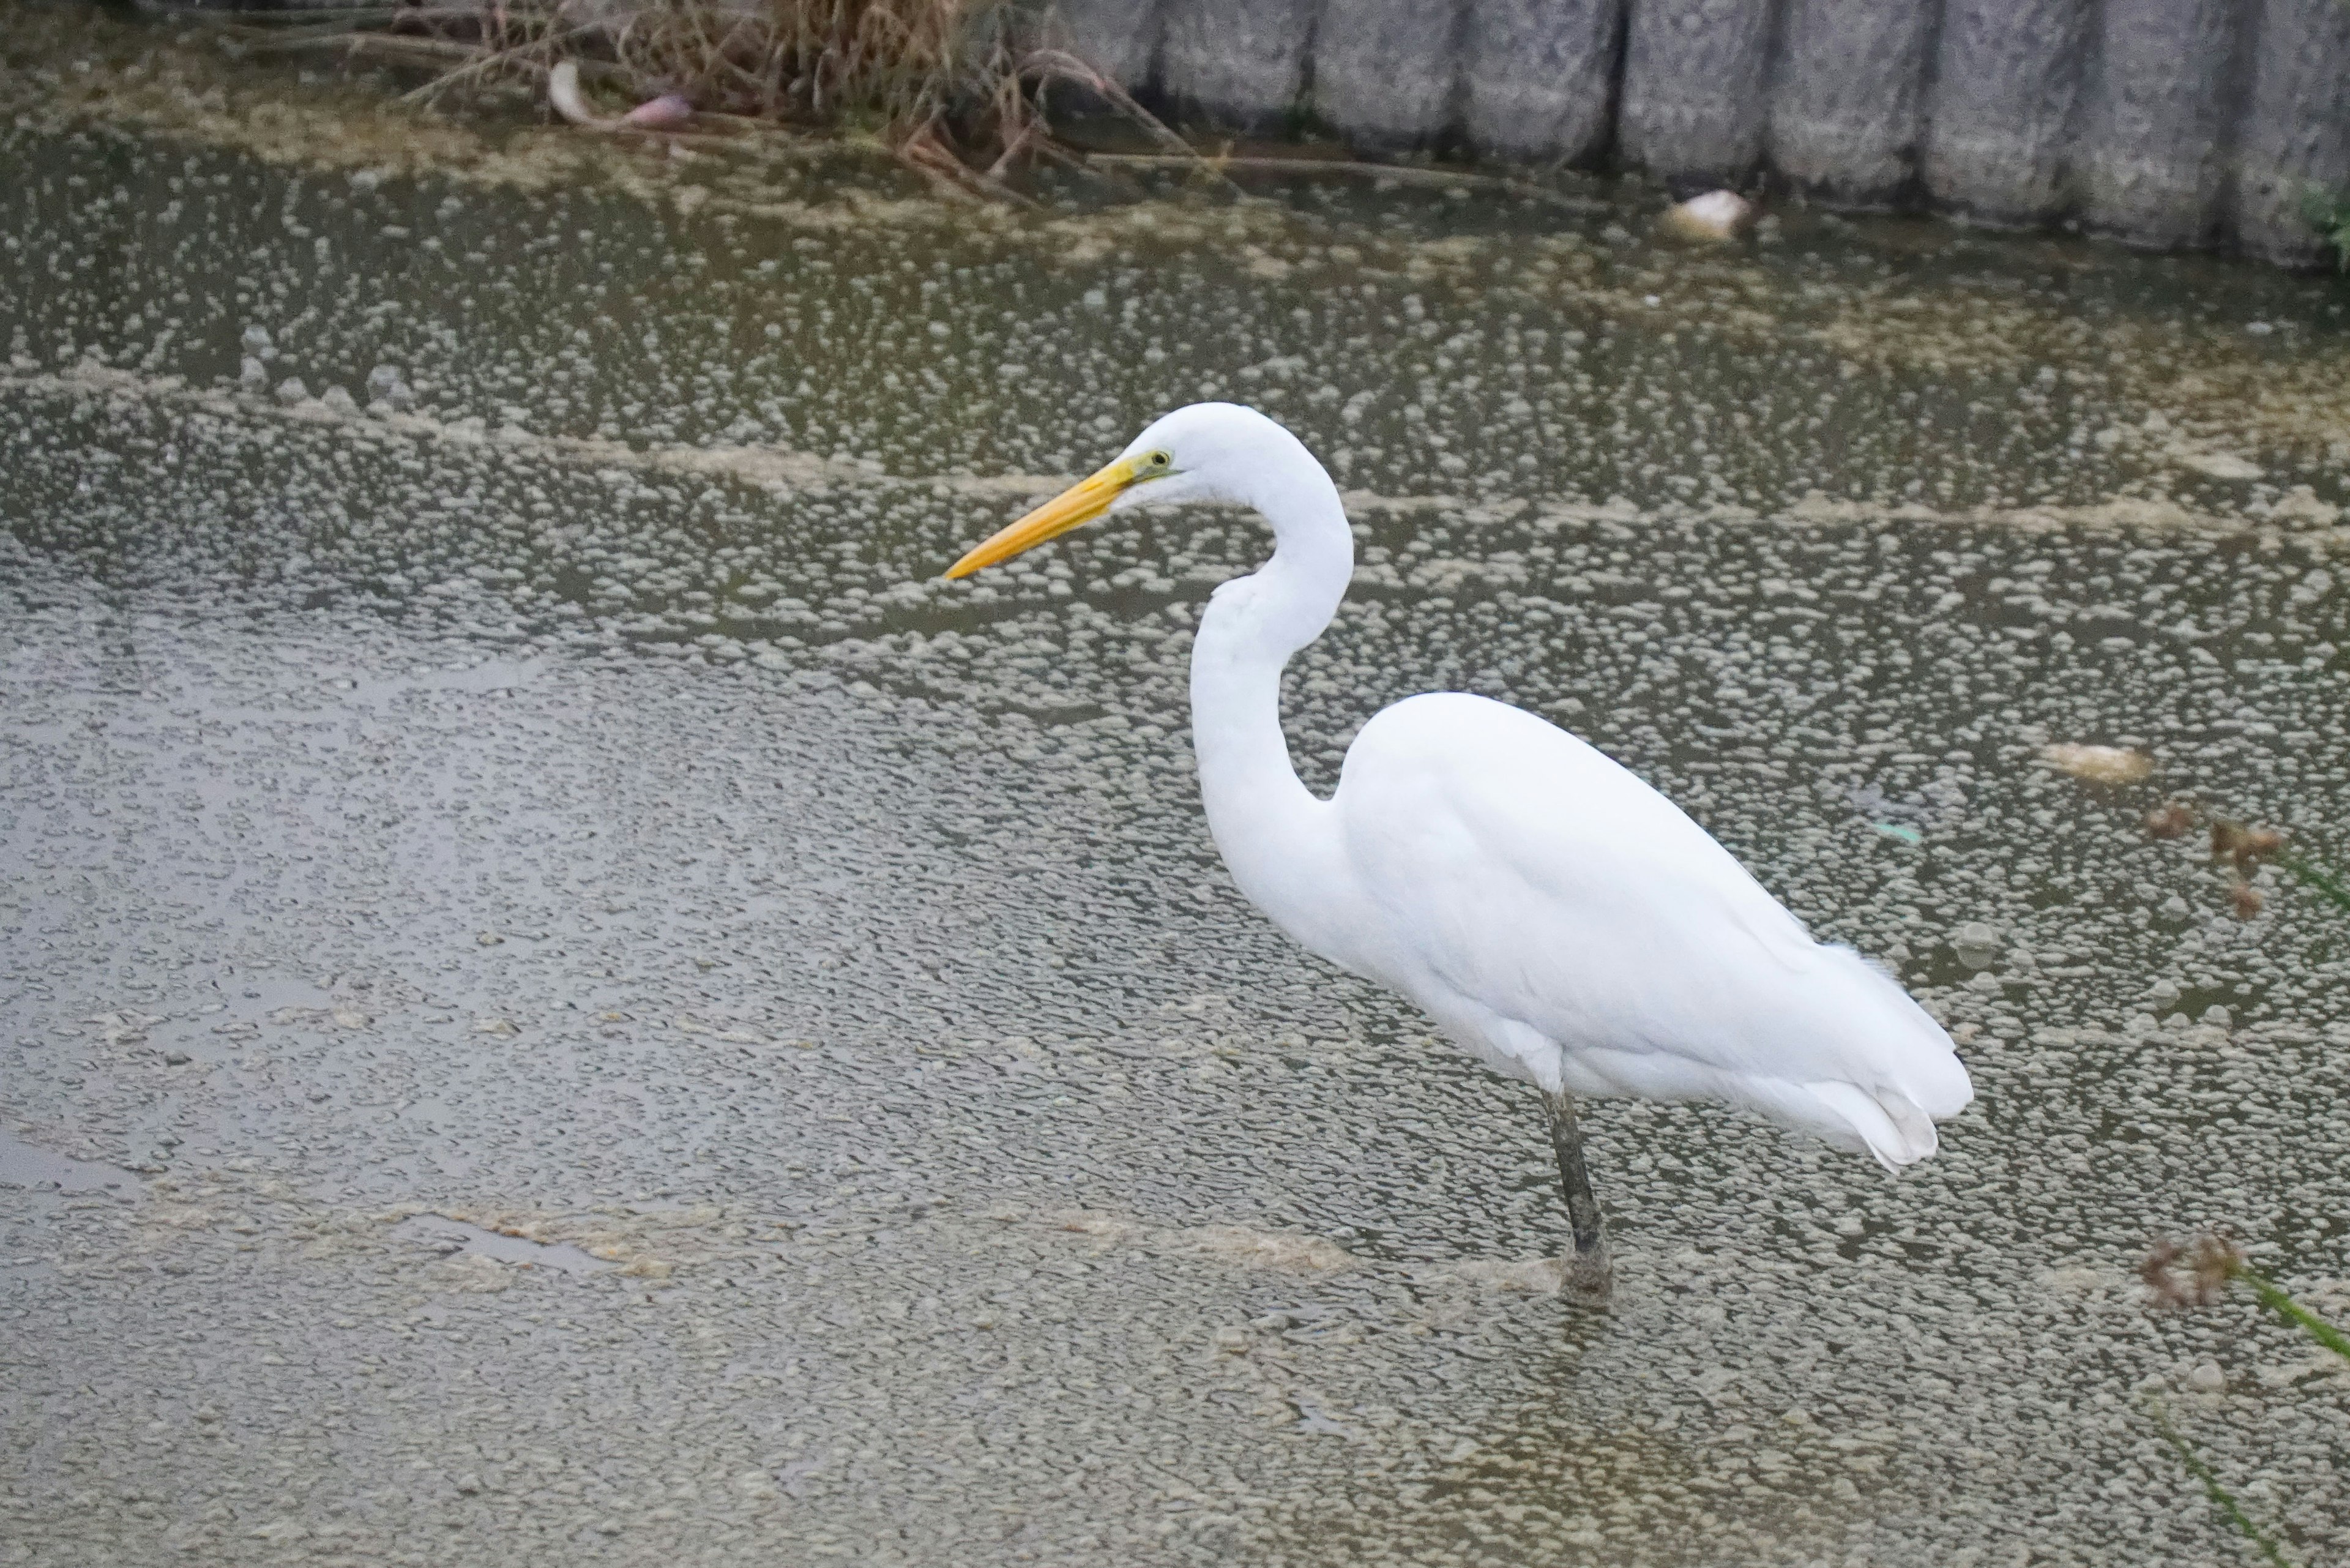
{"x":630,"y":1021}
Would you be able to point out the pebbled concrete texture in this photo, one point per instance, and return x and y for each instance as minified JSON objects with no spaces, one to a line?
{"x":1693,"y":102}
{"x":2007,"y":79}
{"x":2154,"y":138}
{"x":1120,"y":37}
{"x":2170,"y":124}
{"x":1539,"y":77}
{"x":2295,"y":139}
{"x":568,"y":1001}
{"x":1385,"y":75}
{"x":1847,"y":99}
{"x":1239,"y":63}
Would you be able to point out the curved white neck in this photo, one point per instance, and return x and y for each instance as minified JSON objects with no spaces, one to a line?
{"x":1272,"y":833}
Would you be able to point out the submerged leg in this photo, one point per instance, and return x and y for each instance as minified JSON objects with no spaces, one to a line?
{"x":1589,"y":1272}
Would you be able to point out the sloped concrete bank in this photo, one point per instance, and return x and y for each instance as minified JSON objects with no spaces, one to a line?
{"x":2175,"y":123}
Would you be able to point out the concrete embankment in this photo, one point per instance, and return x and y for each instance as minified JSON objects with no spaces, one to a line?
{"x":2173,"y":123}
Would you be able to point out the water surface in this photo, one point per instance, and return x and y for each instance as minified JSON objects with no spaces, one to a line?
{"x":563,"y":804}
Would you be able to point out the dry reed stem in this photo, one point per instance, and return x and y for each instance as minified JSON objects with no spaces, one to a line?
{"x":943,"y":85}
{"x":1353,"y":168}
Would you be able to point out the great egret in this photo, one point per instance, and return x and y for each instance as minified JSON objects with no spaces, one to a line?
{"x":1558,"y":917}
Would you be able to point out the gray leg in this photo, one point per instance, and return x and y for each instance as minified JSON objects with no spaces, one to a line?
{"x":1589,"y":1272}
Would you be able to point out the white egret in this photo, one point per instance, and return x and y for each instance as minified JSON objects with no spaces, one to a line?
{"x":1558,"y":917}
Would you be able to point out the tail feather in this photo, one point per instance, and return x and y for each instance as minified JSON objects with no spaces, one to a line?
{"x":1896,"y":1048}
{"x":1916,"y":1125}
{"x":1899,"y":1071}
{"x":1896,"y":1131}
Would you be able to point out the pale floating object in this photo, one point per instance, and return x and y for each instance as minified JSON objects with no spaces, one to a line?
{"x":1977,"y":945}
{"x":1534,"y":1276}
{"x":2218,"y":465}
{"x":2098,"y":764}
{"x":667,"y":112}
{"x":563,"y":92}
{"x":1558,"y":917}
{"x":1716,"y":216}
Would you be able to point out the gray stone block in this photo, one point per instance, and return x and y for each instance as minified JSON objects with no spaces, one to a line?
{"x":1694,"y":72}
{"x":2007,"y":85}
{"x":1118,"y":37}
{"x":2295,"y":135}
{"x":2150,"y":165}
{"x":1848,"y":97}
{"x":1239,"y":61}
{"x":1539,"y":75}
{"x":1386,"y":71}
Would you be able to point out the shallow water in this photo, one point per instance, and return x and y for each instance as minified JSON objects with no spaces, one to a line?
{"x":566,"y":803}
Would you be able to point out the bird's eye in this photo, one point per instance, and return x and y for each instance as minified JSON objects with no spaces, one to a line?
{"x":1160,"y":459}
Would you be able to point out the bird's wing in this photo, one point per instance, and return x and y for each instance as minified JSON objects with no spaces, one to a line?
{"x":1542,"y":882}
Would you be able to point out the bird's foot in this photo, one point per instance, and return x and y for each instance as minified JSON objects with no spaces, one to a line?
{"x":1587,"y":1275}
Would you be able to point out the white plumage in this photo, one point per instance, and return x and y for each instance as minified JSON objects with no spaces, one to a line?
{"x":1557,"y":917}
{"x":1571,"y":926}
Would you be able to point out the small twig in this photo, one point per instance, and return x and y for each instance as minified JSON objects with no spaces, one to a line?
{"x":926,"y":154}
{"x":1059,"y":65}
{"x":794,"y":138}
{"x":1403,"y":173}
{"x":1052,"y":151}
{"x":530,"y":57}
{"x":1013,"y":147}
{"x":2222,"y":1498}
{"x":389,"y":45}
{"x":260,"y":17}
{"x":260,"y":32}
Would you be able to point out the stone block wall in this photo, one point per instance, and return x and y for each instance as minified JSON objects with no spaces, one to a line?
{"x":2166,"y":123}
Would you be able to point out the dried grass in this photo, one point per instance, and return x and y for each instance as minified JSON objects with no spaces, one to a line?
{"x":955,"y":89}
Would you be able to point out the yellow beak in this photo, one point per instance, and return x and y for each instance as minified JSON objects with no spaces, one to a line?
{"x":1080,"y":503}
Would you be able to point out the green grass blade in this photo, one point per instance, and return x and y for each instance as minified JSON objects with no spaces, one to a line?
{"x":2274,"y":1298}
{"x":2328,"y":886}
{"x":2222,"y":1498}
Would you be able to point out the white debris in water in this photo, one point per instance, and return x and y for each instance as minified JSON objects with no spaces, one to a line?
{"x":2219,"y":464}
{"x":666,"y":112}
{"x":1534,"y":1276}
{"x":456,"y":1238}
{"x":2099,"y":765}
{"x":1717,"y":215}
{"x":1281,"y":1249}
{"x":1976,"y":944}
{"x":388,"y":391}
